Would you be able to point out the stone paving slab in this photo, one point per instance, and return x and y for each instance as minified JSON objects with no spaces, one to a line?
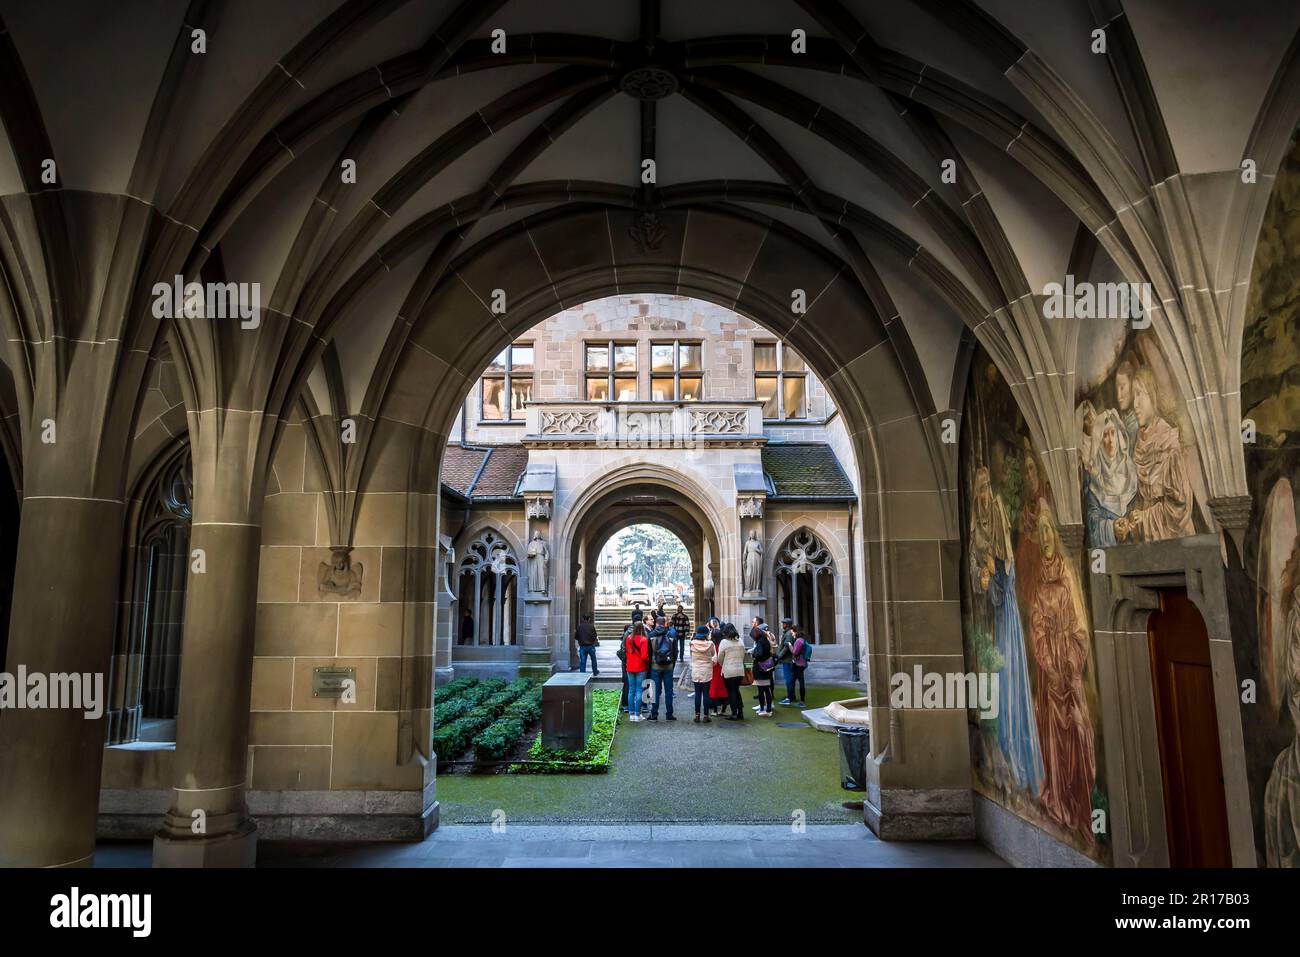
{"x":628,"y":845}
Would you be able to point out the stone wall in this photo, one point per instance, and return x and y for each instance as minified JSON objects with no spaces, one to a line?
{"x":728,"y":359}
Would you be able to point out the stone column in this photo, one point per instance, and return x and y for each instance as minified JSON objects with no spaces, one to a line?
{"x":207,"y":824}
{"x":536,"y":658}
{"x":752,"y":594}
{"x":447,"y":627}
{"x":65,"y":604}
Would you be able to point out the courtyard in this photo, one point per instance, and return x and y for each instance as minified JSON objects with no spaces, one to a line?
{"x":760,"y":771}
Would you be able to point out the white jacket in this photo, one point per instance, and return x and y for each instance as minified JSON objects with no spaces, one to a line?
{"x":731,"y":657}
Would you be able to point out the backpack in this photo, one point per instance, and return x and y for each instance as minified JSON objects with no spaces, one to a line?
{"x":664,"y":650}
{"x":801,"y":652}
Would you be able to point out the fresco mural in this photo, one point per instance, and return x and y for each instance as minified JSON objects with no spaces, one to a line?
{"x":1142,"y":475}
{"x":1024,"y":618}
{"x":1270,"y":397}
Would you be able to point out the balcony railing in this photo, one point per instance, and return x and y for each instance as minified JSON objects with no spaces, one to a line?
{"x":644,"y":424}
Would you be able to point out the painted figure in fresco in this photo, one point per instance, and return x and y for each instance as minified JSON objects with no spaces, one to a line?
{"x":992,"y":569}
{"x":1282,"y":793}
{"x":1060,"y":643}
{"x":1085,"y":420}
{"x":1110,"y":480}
{"x":1124,"y":398}
{"x":1163,"y":507}
{"x":1035,"y":496}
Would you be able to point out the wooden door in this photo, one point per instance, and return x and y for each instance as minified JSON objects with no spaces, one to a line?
{"x":1196,"y":816}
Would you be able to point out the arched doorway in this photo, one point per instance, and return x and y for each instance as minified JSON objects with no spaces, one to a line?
{"x":905,"y":495}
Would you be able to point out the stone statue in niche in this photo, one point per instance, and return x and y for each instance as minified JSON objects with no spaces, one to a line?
{"x":339,"y":576}
{"x":539,"y":560}
{"x":751,"y":569}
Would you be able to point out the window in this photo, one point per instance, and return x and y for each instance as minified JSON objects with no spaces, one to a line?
{"x":780,"y":381}
{"x":146,"y":691}
{"x":508,"y":384}
{"x":488,"y":590}
{"x":675,"y":371}
{"x":805,"y":579}
{"x":610,"y":371}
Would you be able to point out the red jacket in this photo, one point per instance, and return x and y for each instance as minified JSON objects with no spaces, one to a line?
{"x":638,"y":653}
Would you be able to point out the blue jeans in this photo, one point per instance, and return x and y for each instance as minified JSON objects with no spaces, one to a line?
{"x":663,"y":681}
{"x":634,"y":692}
{"x":787,"y":672}
{"x":585,"y":652}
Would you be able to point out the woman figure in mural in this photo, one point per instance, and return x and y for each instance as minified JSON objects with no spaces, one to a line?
{"x":992,"y":570}
{"x":538,"y":559}
{"x":1110,"y":479}
{"x":1124,"y":398}
{"x":1060,"y":644}
{"x":1282,"y":793}
{"x":1163,"y":507}
{"x":1035,"y":494}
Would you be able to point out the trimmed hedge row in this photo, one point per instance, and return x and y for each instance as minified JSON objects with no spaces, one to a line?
{"x":499,"y":738}
{"x":475,"y":710}
{"x":456,"y":688}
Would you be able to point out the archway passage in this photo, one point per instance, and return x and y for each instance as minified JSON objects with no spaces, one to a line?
{"x":656,"y":451}
{"x":644,"y":567}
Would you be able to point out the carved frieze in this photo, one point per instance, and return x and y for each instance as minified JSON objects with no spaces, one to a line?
{"x":570,"y":422}
{"x":719,"y":421}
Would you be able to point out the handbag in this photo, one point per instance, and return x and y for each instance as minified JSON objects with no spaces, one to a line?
{"x":749,"y":676}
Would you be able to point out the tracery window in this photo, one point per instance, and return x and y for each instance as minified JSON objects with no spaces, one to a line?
{"x":805,"y":577}
{"x":488,"y":588}
{"x":146,"y":680}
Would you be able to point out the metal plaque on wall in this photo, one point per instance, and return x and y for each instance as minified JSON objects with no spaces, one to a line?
{"x":334,"y":683}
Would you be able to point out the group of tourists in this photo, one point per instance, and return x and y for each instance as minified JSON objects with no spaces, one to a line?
{"x":713,"y":664}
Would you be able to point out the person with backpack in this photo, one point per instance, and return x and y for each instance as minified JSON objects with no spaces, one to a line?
{"x":800,"y":655}
{"x":764,"y":669}
{"x":663,"y":659}
{"x":636,"y":658}
{"x":701,"y":670}
{"x":783,"y":659}
{"x":731,"y":663}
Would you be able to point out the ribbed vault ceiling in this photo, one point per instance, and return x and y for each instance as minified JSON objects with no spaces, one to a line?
{"x":843,"y":142}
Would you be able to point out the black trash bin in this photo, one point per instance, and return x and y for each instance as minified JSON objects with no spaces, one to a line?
{"x":853,"y":757}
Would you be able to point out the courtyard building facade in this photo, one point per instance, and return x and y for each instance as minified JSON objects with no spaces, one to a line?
{"x":716,"y":430}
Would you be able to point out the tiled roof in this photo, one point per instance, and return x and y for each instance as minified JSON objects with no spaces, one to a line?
{"x":479,"y":471}
{"x":805,"y":470}
{"x":460,"y":467}
{"x":501,"y":474}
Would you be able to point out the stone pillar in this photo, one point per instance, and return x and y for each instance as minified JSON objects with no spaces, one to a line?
{"x":537,"y":656}
{"x":64,"y":607}
{"x":207,"y":824}
{"x":447,"y":624}
{"x":753,"y":549}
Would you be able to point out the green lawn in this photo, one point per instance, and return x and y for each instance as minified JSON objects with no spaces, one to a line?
{"x":726,"y":771}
